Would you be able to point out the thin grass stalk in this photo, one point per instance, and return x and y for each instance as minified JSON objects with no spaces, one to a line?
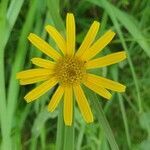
{"x":103,"y":121}
{"x":122,"y":107}
{"x":69,"y":133}
{"x":69,"y":138}
{"x":124,"y":120}
{"x":60,"y":128}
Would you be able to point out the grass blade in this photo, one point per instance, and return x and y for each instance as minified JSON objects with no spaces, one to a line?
{"x":60,"y":128}
{"x":103,"y":121}
{"x":13,"y":89}
{"x":122,"y":108}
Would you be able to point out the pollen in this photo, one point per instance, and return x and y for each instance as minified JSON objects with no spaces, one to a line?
{"x":70,"y":70}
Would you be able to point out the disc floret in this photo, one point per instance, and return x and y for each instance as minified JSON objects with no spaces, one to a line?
{"x":70,"y":70}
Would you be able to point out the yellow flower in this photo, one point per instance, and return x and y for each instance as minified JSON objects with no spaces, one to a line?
{"x":69,"y":69}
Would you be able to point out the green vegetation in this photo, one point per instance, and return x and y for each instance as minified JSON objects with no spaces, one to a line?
{"x":30,"y":126}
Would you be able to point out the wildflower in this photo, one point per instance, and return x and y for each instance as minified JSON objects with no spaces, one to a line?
{"x":69,"y":69}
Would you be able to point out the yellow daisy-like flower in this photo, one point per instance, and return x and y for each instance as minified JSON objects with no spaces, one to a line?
{"x":68,"y":69}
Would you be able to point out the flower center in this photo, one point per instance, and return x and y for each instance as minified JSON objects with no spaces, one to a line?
{"x":70,"y":70}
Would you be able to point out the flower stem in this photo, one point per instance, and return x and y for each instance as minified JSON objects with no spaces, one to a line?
{"x":60,"y":128}
{"x":69,"y":138}
{"x":69,"y":134}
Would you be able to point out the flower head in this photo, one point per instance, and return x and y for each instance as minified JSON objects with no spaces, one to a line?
{"x":69,"y":69}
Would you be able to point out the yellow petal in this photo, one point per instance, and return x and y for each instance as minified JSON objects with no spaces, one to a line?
{"x":89,"y":38}
{"x":61,"y":43}
{"x":40,"y":90}
{"x":68,"y":105}
{"x":70,"y":34}
{"x":43,"y":63}
{"x":43,"y":46}
{"x":33,"y":73}
{"x":98,"y":89}
{"x":98,"y":45}
{"x":33,"y":80}
{"x":106,"y":60}
{"x":106,"y":83}
{"x":83,"y":104}
{"x":56,"y":99}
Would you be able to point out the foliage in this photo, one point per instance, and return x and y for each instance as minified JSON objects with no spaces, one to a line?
{"x":30,"y":126}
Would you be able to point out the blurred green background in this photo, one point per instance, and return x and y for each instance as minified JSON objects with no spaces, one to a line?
{"x":30,"y":126}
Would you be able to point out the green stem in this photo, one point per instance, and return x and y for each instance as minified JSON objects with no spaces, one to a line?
{"x":80,"y":136}
{"x":103,"y":121}
{"x":60,"y":128}
{"x":69,"y":138}
{"x":69,"y":134}
{"x":124,"y":120}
